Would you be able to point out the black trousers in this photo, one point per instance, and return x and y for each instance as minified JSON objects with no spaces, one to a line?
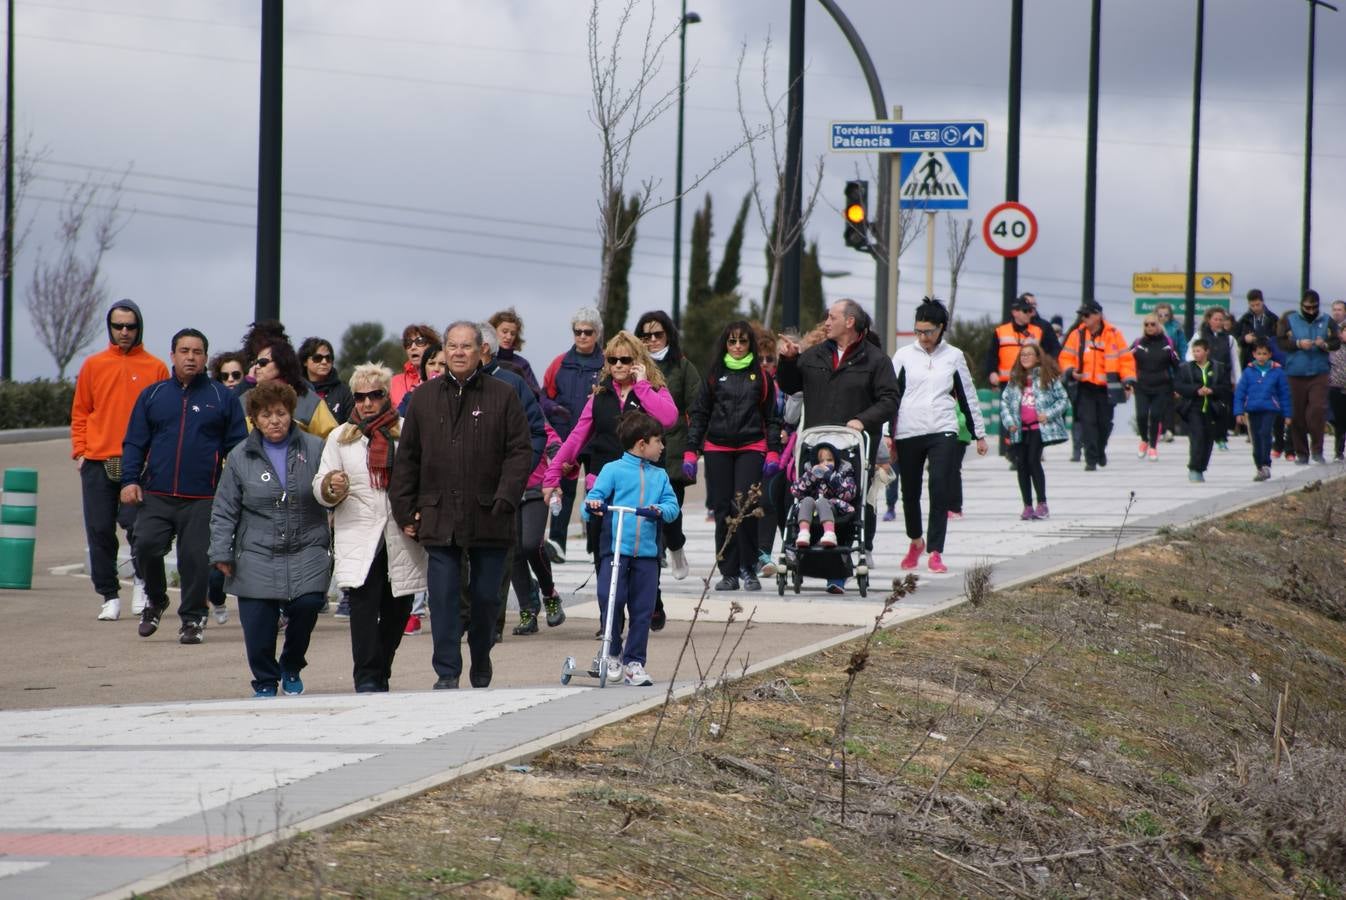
{"x":941,"y":452}
{"x":1336,"y":401}
{"x":729,"y":473}
{"x":482,"y":568}
{"x":260,"y":619}
{"x":674,"y":538}
{"x":160,"y":520}
{"x":1093,"y":411}
{"x":1151,"y":412}
{"x":103,"y":512}
{"x":1031,"y":474}
{"x":378,"y":620}
{"x":1201,"y":431}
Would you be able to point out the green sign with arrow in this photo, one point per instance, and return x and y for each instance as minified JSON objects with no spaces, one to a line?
{"x":1145,"y":305}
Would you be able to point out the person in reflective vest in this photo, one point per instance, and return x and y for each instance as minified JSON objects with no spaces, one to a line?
{"x":1099,"y":371}
{"x":1006,"y":341}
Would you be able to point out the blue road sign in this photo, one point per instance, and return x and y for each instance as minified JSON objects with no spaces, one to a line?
{"x":934,"y":180}
{"x":903,"y":137}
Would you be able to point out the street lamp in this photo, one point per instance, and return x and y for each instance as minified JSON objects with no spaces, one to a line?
{"x":687,"y":19}
{"x":1308,"y":147}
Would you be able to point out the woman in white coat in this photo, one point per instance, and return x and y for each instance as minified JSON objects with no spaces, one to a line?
{"x":380,"y":565}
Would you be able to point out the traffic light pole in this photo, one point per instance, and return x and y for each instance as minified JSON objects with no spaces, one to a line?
{"x":894,"y":271}
{"x":1010,"y":284}
{"x":266,"y":302}
{"x":794,"y":172}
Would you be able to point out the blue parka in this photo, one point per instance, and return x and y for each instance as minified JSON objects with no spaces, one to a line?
{"x":1263,"y":390}
{"x":179,"y":435}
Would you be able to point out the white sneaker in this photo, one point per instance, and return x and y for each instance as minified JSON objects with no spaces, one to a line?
{"x":635,"y":675}
{"x":111,"y":611}
{"x":221,"y":615}
{"x":138,"y":596}
{"x":680,"y":567}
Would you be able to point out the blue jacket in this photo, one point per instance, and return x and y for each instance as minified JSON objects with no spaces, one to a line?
{"x":632,"y":481}
{"x":569,"y":381}
{"x":1263,"y":390}
{"x":178,"y":437}
{"x":1295,"y":328}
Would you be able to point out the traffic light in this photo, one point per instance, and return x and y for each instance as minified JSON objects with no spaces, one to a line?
{"x":857,"y":216}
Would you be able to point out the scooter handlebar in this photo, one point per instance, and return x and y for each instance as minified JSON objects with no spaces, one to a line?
{"x":648,"y":512}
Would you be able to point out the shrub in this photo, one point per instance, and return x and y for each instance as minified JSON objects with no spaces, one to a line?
{"x":35,"y":404}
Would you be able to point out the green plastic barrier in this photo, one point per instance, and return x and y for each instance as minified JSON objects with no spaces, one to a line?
{"x":990,"y":409}
{"x":18,"y":528}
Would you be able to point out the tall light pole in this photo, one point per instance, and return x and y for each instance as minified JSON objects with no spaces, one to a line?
{"x":1091,"y":157}
{"x":1189,"y":298}
{"x":1010,"y":280}
{"x":1308,"y":147}
{"x":793,"y":188}
{"x":266,"y":303}
{"x":7,"y":347}
{"x":687,"y":19}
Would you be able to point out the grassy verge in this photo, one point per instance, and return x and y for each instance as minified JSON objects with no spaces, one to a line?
{"x":1113,"y":731}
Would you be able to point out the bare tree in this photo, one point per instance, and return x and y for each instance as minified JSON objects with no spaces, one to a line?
{"x":779,"y":240}
{"x":621,"y":110}
{"x":960,"y":239}
{"x":67,"y":293}
{"x":25,"y":168}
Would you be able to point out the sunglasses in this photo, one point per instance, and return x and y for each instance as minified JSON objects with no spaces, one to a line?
{"x":417,"y":342}
{"x":736,"y":340}
{"x":231,"y":376}
{"x":624,"y":360}
{"x":361,"y":396}
{"x":321,"y":357}
{"x":923,"y":332}
{"x":583,"y":332}
{"x":651,"y":335}
{"x":262,"y":362}
{"x":120,"y":326}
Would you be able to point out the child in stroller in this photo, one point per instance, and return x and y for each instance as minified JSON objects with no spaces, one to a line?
{"x":826,"y":489}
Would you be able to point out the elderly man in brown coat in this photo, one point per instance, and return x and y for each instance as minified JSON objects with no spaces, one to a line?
{"x":459,"y":473}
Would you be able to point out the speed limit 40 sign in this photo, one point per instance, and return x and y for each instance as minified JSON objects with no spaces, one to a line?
{"x":1010,"y":229}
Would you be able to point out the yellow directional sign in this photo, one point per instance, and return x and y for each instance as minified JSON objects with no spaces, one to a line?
{"x":1176,"y":282}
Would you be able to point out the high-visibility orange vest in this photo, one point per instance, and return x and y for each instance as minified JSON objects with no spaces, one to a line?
{"x":1106,"y":352}
{"x":1008,"y":342}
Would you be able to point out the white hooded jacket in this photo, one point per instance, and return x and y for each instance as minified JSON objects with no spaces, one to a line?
{"x":929,"y":384}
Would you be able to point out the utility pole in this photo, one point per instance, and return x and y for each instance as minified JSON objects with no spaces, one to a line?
{"x":1308,"y":146}
{"x":793,"y":189}
{"x":687,"y":19}
{"x":1091,"y":157}
{"x":1189,"y":300}
{"x":7,"y":347}
{"x":266,"y":304}
{"x":1010,"y":287}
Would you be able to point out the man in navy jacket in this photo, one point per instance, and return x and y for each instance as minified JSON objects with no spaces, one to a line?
{"x":180,"y":431}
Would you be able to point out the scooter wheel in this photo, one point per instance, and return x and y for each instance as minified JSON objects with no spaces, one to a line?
{"x":565,"y":678}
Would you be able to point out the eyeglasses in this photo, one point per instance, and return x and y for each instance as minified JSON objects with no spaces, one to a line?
{"x":262,"y":362}
{"x":1151,"y":324}
{"x":652,"y":335}
{"x":583,"y":332}
{"x":417,"y":341}
{"x":624,"y":360}
{"x":321,"y":357}
{"x":925,"y":332}
{"x":123,"y":326}
{"x":361,"y":396}
{"x":231,"y":376}
{"x":736,"y":340}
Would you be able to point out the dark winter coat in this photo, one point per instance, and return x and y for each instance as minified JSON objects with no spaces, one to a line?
{"x":569,"y":381}
{"x":337,"y":395}
{"x":1263,"y":326}
{"x":683,"y":382}
{"x":178,"y":437}
{"x":1156,"y":358}
{"x":465,"y":446}
{"x":268,"y":524}
{"x":863,"y":386}
{"x":1188,"y":381}
{"x":735,"y":409}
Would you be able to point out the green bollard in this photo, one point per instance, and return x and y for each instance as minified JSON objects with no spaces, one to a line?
{"x":18,"y":528}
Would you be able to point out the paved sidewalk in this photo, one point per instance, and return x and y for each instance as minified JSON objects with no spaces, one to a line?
{"x":107,"y":800}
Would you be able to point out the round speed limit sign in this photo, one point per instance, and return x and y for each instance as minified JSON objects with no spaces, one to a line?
{"x":1010,"y":229}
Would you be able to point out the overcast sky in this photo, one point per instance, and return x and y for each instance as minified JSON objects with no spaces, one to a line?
{"x":439,"y":162}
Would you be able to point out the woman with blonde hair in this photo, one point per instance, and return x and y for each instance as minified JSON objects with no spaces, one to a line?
{"x":630,"y":379}
{"x":1033,"y":411}
{"x":1156,"y":360}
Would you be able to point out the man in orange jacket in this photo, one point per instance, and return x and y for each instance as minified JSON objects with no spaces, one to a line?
{"x":1099,"y":372}
{"x":105,"y":392}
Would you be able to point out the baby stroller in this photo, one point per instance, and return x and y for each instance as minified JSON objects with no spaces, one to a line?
{"x":848,"y":557}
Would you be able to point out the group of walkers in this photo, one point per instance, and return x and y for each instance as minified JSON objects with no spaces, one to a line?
{"x":1268,"y":375}
{"x":426,"y":492}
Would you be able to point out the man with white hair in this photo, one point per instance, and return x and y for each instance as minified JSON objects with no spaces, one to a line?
{"x":569,"y":381}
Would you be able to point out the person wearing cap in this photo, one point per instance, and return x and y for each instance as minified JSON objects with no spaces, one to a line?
{"x":1100,"y":371}
{"x":1051,"y":336}
{"x":1003,"y":350}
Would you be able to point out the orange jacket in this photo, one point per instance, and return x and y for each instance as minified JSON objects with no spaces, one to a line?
{"x":105,"y":391}
{"x":1008,"y":341}
{"x":1104,"y":353}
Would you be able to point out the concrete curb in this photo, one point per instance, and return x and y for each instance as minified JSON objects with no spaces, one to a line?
{"x":33,"y":435}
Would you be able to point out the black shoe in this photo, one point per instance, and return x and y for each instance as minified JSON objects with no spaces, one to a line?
{"x":149,"y":619}
{"x":727,"y":583}
{"x":193,"y":632}
{"x":1102,"y":460}
{"x":527,"y":623}
{"x":750,"y":582}
{"x":555,"y":615}
{"x":370,"y":687}
{"x":659,"y":618}
{"x":480,"y":676}
{"x":1090,"y":467}
{"x":1074,"y":457}
{"x":446,"y":684}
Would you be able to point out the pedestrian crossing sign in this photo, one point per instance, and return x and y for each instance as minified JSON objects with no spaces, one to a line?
{"x":934,"y":180}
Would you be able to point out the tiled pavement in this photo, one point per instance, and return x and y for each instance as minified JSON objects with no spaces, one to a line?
{"x":103,"y":801}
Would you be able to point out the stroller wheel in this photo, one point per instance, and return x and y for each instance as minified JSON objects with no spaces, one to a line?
{"x":780,"y":584}
{"x":798,"y":580}
{"x":565,"y":678}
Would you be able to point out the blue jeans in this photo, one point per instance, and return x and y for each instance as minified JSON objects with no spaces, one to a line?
{"x":261,"y":618}
{"x":486,"y":570}
{"x":1261,"y":427}
{"x":637,"y":585}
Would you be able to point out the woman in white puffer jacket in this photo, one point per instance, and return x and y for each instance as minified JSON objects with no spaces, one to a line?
{"x":380,"y":565}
